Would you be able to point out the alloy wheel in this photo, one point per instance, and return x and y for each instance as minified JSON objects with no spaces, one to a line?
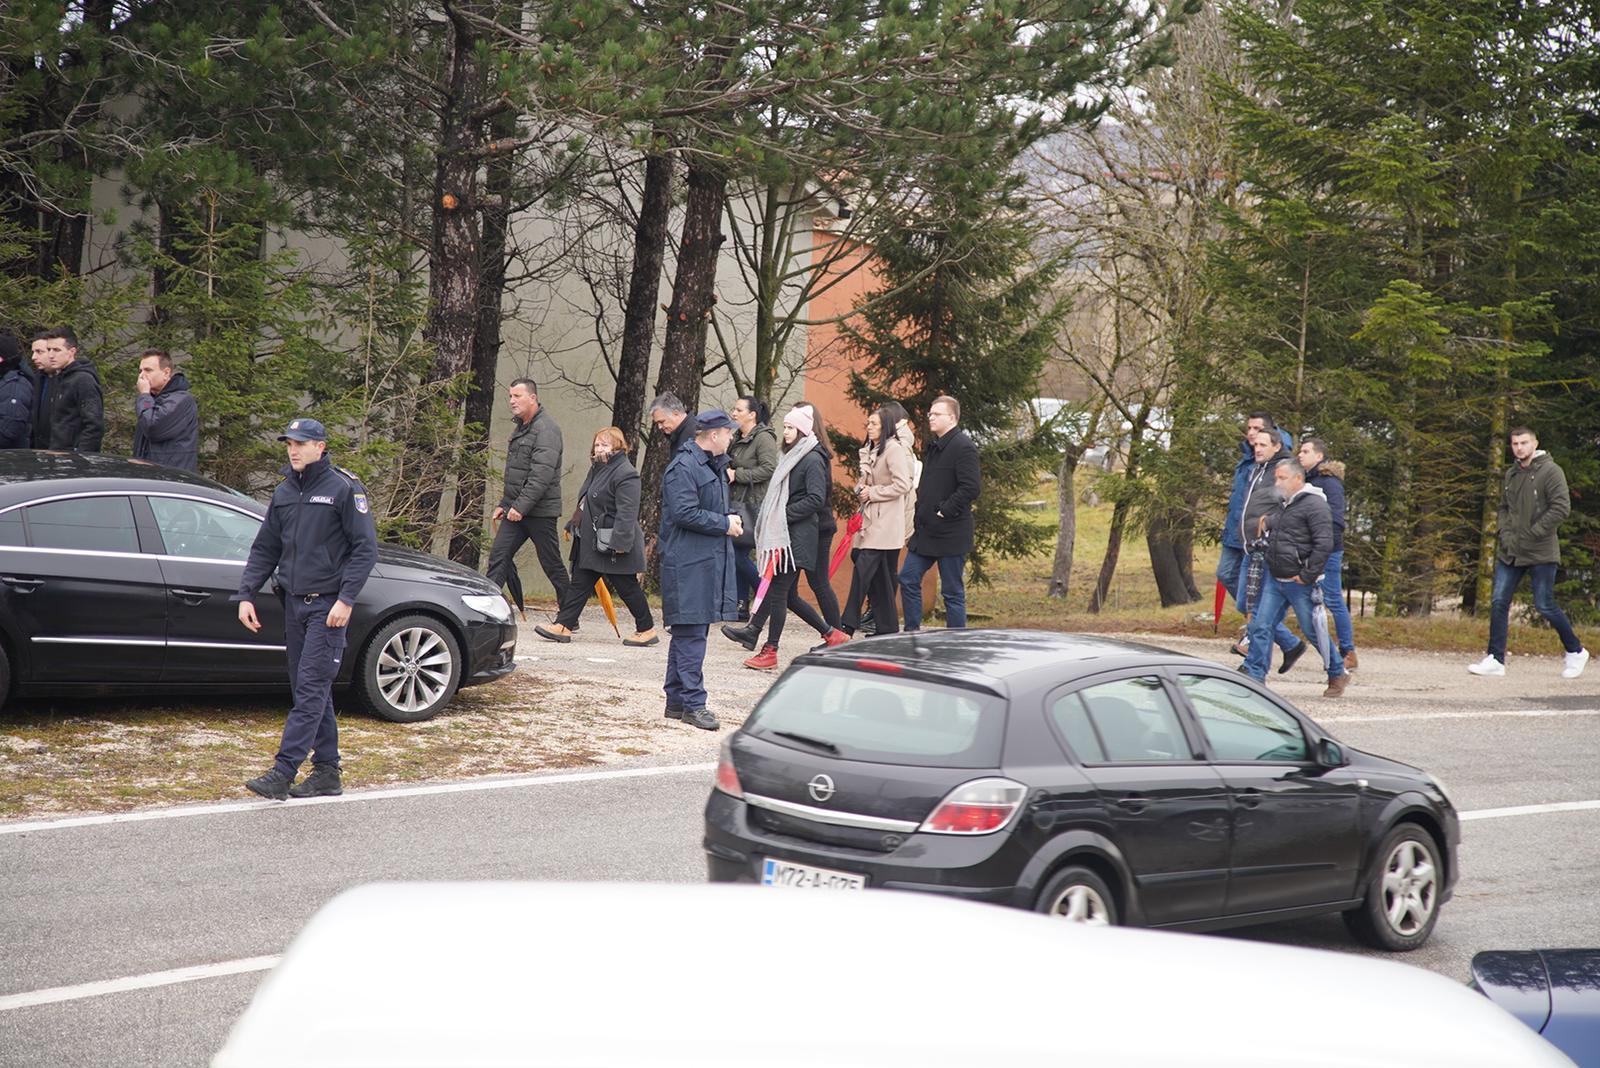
{"x":1410,"y":887}
{"x":1081,"y":904}
{"x":414,"y":669}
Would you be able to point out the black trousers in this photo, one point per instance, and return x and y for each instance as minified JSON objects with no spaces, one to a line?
{"x":817,"y":579}
{"x":874,"y":581}
{"x":627,"y":587}
{"x":539,"y":529}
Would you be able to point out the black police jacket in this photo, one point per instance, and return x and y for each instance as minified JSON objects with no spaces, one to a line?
{"x":318,"y":535}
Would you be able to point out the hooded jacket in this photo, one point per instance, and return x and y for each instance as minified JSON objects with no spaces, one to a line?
{"x":1261,"y":495}
{"x":887,"y":476}
{"x":71,"y":415}
{"x":167,"y":430}
{"x":1533,"y":502}
{"x":1301,"y":536}
{"x":1328,"y":476}
{"x":1241,"y":486}
{"x":753,"y":459}
{"x":16,"y":406}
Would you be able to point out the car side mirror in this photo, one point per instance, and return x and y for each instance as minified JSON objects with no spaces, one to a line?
{"x":1330,"y":754}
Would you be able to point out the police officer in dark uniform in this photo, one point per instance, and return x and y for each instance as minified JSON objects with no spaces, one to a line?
{"x":320,"y":538}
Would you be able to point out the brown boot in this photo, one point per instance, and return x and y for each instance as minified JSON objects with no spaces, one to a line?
{"x":555,"y":632}
{"x":1350,"y":661}
{"x":1336,"y":685}
{"x":642,"y":639}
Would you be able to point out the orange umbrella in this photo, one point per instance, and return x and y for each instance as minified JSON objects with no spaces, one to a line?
{"x":605,"y":602}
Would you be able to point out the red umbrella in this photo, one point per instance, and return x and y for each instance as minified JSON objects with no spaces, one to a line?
{"x":839,"y":551}
{"x":1216,"y":609}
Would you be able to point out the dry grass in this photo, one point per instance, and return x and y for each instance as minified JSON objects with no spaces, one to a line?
{"x":1016,"y":597}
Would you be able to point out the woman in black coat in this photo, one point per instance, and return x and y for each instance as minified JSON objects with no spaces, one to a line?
{"x":607,"y":541}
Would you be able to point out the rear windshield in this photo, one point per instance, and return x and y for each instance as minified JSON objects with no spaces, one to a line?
{"x":883,"y":719}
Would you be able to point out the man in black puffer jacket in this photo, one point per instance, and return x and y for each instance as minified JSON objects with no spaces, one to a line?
{"x":531,"y":503}
{"x":69,"y":415}
{"x":1300,"y":537}
{"x":167,"y":419}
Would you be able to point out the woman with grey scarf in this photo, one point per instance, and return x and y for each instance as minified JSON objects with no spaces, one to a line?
{"x":786,"y":532}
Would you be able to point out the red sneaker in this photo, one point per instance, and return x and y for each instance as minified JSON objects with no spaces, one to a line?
{"x":835,"y":637}
{"x":765,"y":660}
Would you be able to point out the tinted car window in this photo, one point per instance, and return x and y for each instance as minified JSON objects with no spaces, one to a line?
{"x":1240,"y":724}
{"x":11,"y":528}
{"x":104,"y":524}
{"x":1128,"y":721}
{"x":204,"y":531}
{"x":884,"y":719}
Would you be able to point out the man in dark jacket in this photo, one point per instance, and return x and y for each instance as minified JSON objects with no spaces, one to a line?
{"x":942,"y":523}
{"x":1260,"y":500}
{"x":1301,"y":537}
{"x":1533,"y":503}
{"x":320,"y":539}
{"x":1328,"y":476}
{"x":695,"y":544}
{"x":69,"y":412}
{"x":1231,"y":559}
{"x":672,"y":420}
{"x":531,"y":501}
{"x":16,"y":396}
{"x":167,"y":420}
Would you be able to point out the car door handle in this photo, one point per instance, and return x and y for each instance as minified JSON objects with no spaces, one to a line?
{"x":190,"y":596}
{"x":1133,"y":803}
{"x":21,"y":585}
{"x":1248,"y":798}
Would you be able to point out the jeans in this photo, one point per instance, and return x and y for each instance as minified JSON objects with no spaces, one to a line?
{"x":539,"y":529}
{"x":627,"y":587}
{"x":1230,"y":572}
{"x":1507,"y":577}
{"x":952,"y":587}
{"x":686,"y":658}
{"x":747,"y":578}
{"x":315,"y":650}
{"x":1277,"y":595}
{"x":1333,"y":600}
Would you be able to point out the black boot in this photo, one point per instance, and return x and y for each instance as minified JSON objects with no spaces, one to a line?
{"x":746,"y":636}
{"x":322,"y":782}
{"x":744,"y":611}
{"x":274,"y":785}
{"x":1291,"y":656}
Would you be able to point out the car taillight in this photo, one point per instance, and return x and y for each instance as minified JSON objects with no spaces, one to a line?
{"x":727,"y":777}
{"x":978,"y":807}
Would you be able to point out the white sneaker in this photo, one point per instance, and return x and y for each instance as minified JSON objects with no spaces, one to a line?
{"x":1575,"y":664}
{"x":1490,"y":666}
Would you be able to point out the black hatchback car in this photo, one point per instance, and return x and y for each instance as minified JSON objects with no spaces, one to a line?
{"x":1101,"y":781}
{"x":115,"y":577}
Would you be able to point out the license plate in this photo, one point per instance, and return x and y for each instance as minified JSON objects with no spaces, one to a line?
{"x":805,"y":877}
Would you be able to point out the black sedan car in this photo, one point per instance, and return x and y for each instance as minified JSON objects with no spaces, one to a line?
{"x":115,"y":577}
{"x":1101,"y":781}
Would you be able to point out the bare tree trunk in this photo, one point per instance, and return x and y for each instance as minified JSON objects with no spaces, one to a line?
{"x":1163,"y":538}
{"x":466,"y":538}
{"x":693,"y":297}
{"x":644,"y":287}
{"x":1067,"y":527}
{"x":1108,"y":564}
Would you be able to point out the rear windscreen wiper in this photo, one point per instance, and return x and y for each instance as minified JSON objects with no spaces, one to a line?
{"x":815,"y":743}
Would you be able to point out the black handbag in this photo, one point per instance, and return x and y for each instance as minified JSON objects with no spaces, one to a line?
{"x":746,"y":539}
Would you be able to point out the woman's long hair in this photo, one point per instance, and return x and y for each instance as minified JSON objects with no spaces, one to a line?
{"x":819,"y":429}
{"x":890,"y":415}
{"x":763,"y":413}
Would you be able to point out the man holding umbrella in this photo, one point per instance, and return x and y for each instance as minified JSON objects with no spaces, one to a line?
{"x":1297,"y":554}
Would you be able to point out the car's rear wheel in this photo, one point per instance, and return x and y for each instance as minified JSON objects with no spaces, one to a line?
{"x":410,"y":669}
{"x":1402,"y":899}
{"x":1078,"y":895}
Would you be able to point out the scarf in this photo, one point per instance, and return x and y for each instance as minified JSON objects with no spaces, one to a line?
{"x":772,"y":525}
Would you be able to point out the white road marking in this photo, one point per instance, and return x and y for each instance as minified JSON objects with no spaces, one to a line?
{"x":600,"y":660}
{"x":1529,"y":810}
{"x":356,"y":796}
{"x":54,"y":994}
{"x":1533,"y":713}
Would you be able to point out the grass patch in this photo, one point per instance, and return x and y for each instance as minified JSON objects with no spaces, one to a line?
{"x":1016,"y":597}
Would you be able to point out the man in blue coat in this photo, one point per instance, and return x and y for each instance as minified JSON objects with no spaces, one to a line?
{"x":697,"y":568}
{"x":16,"y":396}
{"x":1230,"y":562}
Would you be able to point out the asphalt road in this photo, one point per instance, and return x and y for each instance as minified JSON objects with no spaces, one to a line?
{"x":109,"y":901}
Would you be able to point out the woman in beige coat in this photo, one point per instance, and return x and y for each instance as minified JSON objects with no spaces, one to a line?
{"x":888,"y":474}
